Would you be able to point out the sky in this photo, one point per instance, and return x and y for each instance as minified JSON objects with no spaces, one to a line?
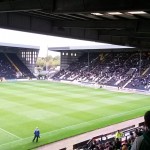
{"x":43,"y":41}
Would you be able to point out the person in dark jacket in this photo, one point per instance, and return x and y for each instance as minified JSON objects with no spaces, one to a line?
{"x":36,"y":134}
{"x":143,"y":142}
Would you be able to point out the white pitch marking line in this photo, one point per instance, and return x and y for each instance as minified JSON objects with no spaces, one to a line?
{"x":10,"y":133}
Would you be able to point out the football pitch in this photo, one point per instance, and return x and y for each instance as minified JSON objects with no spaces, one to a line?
{"x":60,"y":111}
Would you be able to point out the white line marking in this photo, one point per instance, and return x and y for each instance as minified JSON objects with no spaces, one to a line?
{"x":10,"y":133}
{"x":87,"y":122}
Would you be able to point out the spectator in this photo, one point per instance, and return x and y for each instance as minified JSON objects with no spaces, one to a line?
{"x":117,"y":144}
{"x":143,"y":142}
{"x":124,"y":146}
{"x":118,"y":135}
{"x":138,"y":132}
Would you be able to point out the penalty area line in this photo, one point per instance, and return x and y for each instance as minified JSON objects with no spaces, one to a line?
{"x":10,"y":133}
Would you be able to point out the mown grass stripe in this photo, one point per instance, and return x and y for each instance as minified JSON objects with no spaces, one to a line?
{"x":54,"y":106}
{"x":81,"y":124}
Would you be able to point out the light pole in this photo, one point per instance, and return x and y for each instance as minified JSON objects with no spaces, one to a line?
{"x":46,"y":58}
{"x":140,"y":63}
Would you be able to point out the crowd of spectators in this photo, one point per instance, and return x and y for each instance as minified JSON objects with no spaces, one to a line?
{"x":122,"y":141}
{"x":130,"y":139}
{"x":120,"y":69}
{"x":24,"y":71}
{"x":6,"y":69}
{"x":11,"y":67}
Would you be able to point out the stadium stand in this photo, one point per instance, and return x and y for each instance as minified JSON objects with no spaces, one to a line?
{"x":109,"y":142}
{"x":7,"y":71}
{"x":11,"y":67}
{"x":118,"y":69}
{"x":20,"y":66}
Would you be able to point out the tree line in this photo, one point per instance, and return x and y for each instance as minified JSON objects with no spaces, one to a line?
{"x":48,"y":62}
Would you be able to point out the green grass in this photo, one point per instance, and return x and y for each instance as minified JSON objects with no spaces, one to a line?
{"x":60,"y":111}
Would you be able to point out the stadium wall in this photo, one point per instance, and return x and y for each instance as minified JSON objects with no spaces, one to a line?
{"x":28,"y":57}
{"x":67,"y":57}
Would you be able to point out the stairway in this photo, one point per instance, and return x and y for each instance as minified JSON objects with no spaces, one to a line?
{"x":127,"y":82}
{"x":146,"y":70}
{"x":12,"y":63}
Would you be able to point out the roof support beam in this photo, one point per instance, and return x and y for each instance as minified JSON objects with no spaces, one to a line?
{"x":68,"y":6}
{"x":96,"y":24}
{"x":137,"y":26}
{"x":25,"y":5}
{"x":25,"y":23}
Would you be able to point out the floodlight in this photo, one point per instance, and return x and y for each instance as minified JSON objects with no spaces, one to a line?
{"x":115,"y":13}
{"x":137,"y":12}
{"x":97,"y":14}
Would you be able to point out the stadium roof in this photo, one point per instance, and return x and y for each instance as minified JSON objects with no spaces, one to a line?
{"x":19,"y":45}
{"x":120,"y":22}
{"x":89,"y":47}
